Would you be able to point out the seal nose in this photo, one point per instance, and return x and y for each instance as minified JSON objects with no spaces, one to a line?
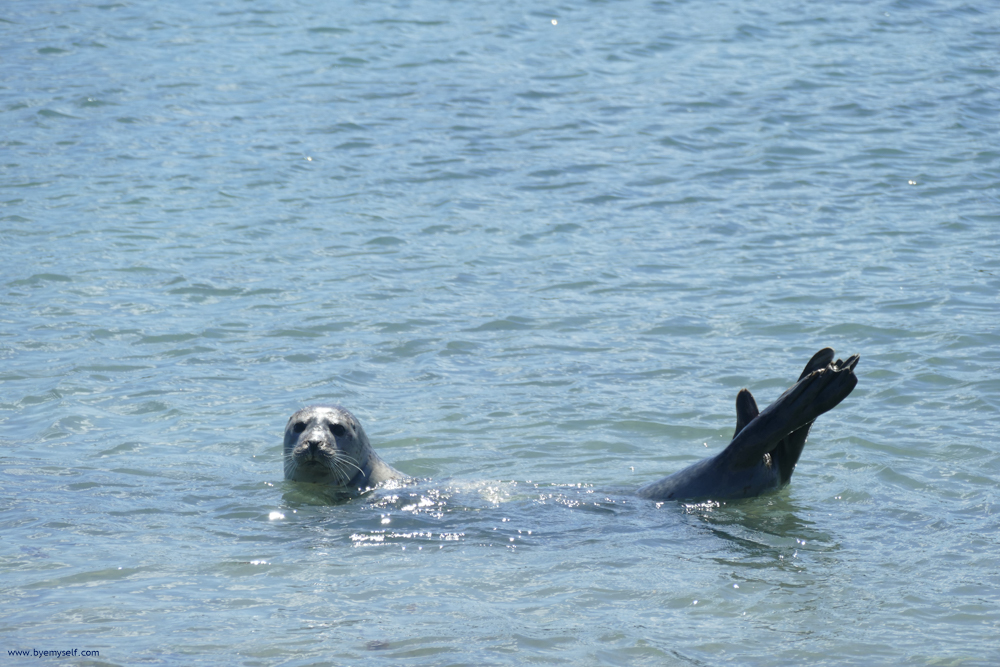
{"x":311,"y":444}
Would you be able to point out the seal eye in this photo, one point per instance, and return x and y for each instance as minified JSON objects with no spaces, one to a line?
{"x":299,"y":427}
{"x":337,"y":429}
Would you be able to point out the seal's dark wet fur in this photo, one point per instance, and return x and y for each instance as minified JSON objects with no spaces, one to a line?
{"x":766,"y":445}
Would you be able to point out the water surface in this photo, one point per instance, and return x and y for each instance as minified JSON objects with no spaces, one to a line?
{"x":537,"y":250}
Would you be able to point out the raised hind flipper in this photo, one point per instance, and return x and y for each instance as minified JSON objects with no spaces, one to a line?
{"x":819,"y":391}
{"x":786,"y":453}
{"x":766,"y":445}
{"x":746,"y":410}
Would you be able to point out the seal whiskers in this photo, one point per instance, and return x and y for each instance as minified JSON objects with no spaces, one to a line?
{"x":340,"y":470}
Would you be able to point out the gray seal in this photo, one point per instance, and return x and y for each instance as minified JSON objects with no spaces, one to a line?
{"x":766,"y":445}
{"x":325,"y":444}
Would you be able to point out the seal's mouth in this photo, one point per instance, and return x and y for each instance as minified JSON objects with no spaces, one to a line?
{"x":313,"y":462}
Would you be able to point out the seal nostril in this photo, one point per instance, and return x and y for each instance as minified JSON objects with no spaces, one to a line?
{"x":338,"y":430}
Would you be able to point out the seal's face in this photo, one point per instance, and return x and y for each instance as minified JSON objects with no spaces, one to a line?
{"x":325,"y":445}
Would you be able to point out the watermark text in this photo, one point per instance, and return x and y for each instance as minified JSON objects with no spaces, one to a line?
{"x":35,"y":653}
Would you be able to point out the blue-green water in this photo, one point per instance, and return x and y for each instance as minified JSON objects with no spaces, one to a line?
{"x":536,"y":249}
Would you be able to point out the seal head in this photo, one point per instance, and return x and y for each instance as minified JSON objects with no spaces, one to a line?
{"x":325,"y":444}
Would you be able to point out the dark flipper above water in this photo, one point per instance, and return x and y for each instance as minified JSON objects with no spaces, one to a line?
{"x":766,"y":445}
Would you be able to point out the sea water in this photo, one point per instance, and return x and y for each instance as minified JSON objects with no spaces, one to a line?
{"x":536,"y":249}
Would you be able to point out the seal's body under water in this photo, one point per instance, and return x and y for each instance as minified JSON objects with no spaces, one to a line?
{"x":325,"y":444}
{"x":766,"y":445}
